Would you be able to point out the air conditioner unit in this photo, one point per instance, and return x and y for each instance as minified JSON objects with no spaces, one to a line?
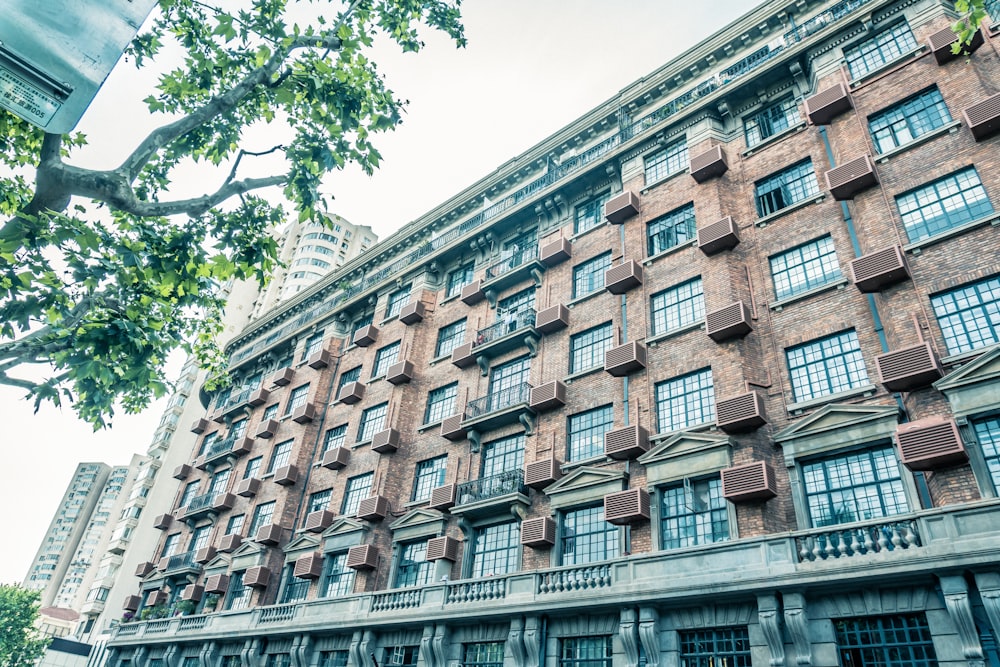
{"x":740,"y":413}
{"x":748,"y":482}
{"x":626,"y":507}
{"x":718,"y":236}
{"x":709,"y":164}
{"x":627,"y":442}
{"x":539,"y":533}
{"x":540,"y":474}
{"x":442,"y":548}
{"x":931,"y":443}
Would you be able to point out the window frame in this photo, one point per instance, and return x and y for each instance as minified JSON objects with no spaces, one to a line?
{"x":589,"y":214}
{"x":449,"y":337}
{"x":783,"y":112}
{"x":715,"y":515}
{"x":889,"y":45}
{"x":440,"y":403}
{"x":386,"y":356}
{"x":588,"y":276}
{"x":582,"y":348}
{"x":939,"y":196}
{"x":353,"y":488}
{"x":608,"y":546}
{"x":819,"y":254}
{"x":671,"y":230}
{"x":429,"y":478}
{"x":373,"y":420}
{"x":594,"y":432}
{"x":665,"y":162}
{"x":816,"y":355}
{"x":693,"y":415}
{"x":682,"y":305}
{"x":796,"y":183}
{"x":916,"y":115}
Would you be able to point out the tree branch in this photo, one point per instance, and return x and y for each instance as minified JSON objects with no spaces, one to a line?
{"x":199,"y":205}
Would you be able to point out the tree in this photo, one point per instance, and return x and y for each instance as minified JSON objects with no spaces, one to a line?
{"x":20,"y":643}
{"x":972,"y":14}
{"x":104,"y":273}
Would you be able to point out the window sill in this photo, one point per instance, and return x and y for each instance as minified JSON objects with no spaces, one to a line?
{"x":703,"y":426}
{"x":373,"y":380}
{"x":865,"y":390}
{"x":572,"y":239}
{"x":993,"y":219}
{"x":572,"y":465}
{"x":653,"y":341}
{"x":449,"y":299}
{"x":416,"y":503}
{"x":775,"y":138}
{"x":669,"y":251}
{"x":949,"y":128}
{"x":436,"y":360}
{"x":389,"y":319}
{"x":838,"y":284}
{"x":586,"y":297}
{"x":768,"y":219}
{"x":429,"y":426}
{"x":580,"y":374}
{"x":362,"y":443}
{"x":885,"y":68}
{"x":668,"y":177}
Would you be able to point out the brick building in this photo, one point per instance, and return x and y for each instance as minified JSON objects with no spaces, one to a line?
{"x":713,"y":378}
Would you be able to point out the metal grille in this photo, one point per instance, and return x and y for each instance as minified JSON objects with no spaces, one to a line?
{"x":358,"y":488}
{"x":495,"y":549}
{"x":449,"y":337}
{"x":588,"y":277}
{"x":666,"y":162}
{"x":881,"y":49}
{"x":804,"y":267}
{"x":693,"y":513}
{"x":338,"y":579}
{"x":678,"y":306}
{"x":854,"y":487}
{"x":585,"y":433}
{"x":826,"y":366}
{"x":587,"y":537}
{"x":943,"y":204}
{"x":587,"y":348}
{"x":685,"y":401}
{"x":905,"y":121}
{"x":786,"y":188}
{"x":715,"y":647}
{"x":670,"y":230}
{"x":585,"y":652}
{"x":384,"y":358}
{"x":429,"y":475}
{"x":590,"y":214}
{"x":514,"y":255}
{"x":440,"y":403}
{"x":413,"y":568}
{"x":885,"y":641}
{"x":771,"y":120}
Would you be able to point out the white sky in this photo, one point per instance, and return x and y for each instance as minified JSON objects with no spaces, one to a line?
{"x":530,"y":68}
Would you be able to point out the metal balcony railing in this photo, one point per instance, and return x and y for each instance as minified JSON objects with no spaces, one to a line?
{"x":509,"y":324}
{"x":498,"y":400}
{"x":199,"y":503}
{"x":218,"y":449}
{"x":511,"y":481}
{"x":514,"y":259}
{"x":182,"y":561}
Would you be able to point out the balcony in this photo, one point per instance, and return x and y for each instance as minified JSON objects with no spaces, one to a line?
{"x":235,"y":403}
{"x":200,"y":506}
{"x":499,"y":408}
{"x":180,"y":564}
{"x":491,"y":495}
{"x":514,"y":268}
{"x":512,"y":332}
{"x":217,"y":452}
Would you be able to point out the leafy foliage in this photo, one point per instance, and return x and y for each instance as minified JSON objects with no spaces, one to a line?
{"x":973,"y":12}
{"x":20,"y":643}
{"x":103,"y":273}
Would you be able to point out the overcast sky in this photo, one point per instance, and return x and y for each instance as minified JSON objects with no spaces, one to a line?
{"x":530,"y":68}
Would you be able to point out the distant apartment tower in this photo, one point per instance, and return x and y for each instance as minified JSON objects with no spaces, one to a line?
{"x":317,"y":249}
{"x":52,"y":560}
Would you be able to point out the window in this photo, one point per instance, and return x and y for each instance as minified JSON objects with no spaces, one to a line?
{"x":508,"y":385}
{"x":440,"y":403}
{"x":587,"y":537}
{"x":190,"y":491}
{"x":666,"y":162}
{"x":413,"y":568}
{"x":804,"y":267}
{"x":319,"y":501}
{"x":670,"y":230}
{"x":587,"y":348}
{"x":881,"y":49}
{"x":590,"y":214}
{"x":358,"y":488}
{"x":372,"y":421}
{"x":585,"y":433}
{"x":270,"y":412}
{"x":885,"y":641}
{"x":943,"y":204}
{"x":296,"y":398}
{"x":502,"y":455}
{"x":335,"y":437}
{"x":678,"y":306}
{"x":988,"y":434}
{"x":449,"y":337}
{"x":313,"y":344}
{"x":293,"y":588}
{"x":384,"y":358}
{"x":237,"y":430}
{"x":588,"y":277}
{"x":482,"y":654}
{"x":458,"y":279}
{"x":429,"y":475}
{"x":207,"y":442}
{"x":692,"y":513}
{"x":495,"y":549}
{"x":396,"y":301}
{"x":585,"y":652}
{"x":785,"y":188}
{"x":220,"y":481}
{"x":347,"y":377}
{"x":338,"y":579}
{"x":282,"y":453}
{"x":685,"y":401}
{"x":253,"y":467}
{"x":239,"y":594}
{"x":402,"y":656}
{"x":170,"y":545}
{"x":854,"y":487}
{"x":235,"y":524}
{"x":715,"y":646}
{"x":332,"y":659}
{"x":771,"y":120}
{"x":905,"y":121}
{"x":361,"y":323}
{"x":508,"y":309}
{"x":262,"y":515}
{"x":826,"y":366}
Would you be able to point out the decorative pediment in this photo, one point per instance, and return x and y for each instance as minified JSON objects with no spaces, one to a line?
{"x":584,"y":485}
{"x":419,"y":522}
{"x":343,"y":533}
{"x":975,"y":387}
{"x":304,"y":542}
{"x":249,"y":554}
{"x":687,"y":454}
{"x":836,"y":426}
{"x":219,"y":564}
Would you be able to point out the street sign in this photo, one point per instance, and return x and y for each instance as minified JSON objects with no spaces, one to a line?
{"x":55,"y":54}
